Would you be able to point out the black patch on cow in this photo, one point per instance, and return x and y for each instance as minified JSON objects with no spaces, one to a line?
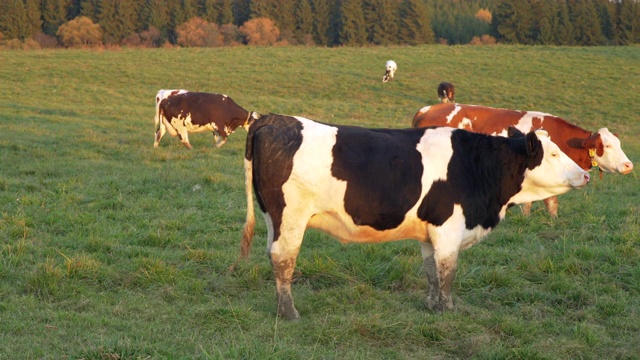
{"x":272,"y":142}
{"x":483,"y":173}
{"x":383,"y":171}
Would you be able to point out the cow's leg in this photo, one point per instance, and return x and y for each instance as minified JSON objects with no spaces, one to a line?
{"x":283,"y":252}
{"x":440,"y":255}
{"x":433,"y":281}
{"x":526,"y":208}
{"x":220,"y":137}
{"x":552,"y":205}
{"x":440,"y":267}
{"x":183,"y":134}
{"x":160,"y":131}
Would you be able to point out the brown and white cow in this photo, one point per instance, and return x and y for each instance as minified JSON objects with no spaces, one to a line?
{"x":445,"y":187}
{"x":192,"y":112}
{"x":446,"y":92}
{"x":159,"y":125}
{"x":586,"y":148}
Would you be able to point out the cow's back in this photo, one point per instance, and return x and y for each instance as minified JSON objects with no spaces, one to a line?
{"x":481,"y":119}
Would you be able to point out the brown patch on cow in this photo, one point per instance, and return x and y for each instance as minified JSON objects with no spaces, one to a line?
{"x":536,"y":123}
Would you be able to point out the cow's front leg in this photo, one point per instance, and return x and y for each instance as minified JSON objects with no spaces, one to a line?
{"x":184,"y":138}
{"x":440,"y":268}
{"x":526,"y":208}
{"x":283,"y":273}
{"x":219,"y":138}
{"x":552,"y":205}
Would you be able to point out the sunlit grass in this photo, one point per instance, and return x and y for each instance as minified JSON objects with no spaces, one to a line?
{"x":110,"y":248}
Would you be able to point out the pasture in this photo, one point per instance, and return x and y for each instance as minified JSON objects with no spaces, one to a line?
{"x":111,"y":249}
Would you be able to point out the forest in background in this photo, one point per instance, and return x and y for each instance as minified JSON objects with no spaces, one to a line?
{"x":211,"y":23}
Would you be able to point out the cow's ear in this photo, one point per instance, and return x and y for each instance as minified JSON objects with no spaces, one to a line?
{"x":594,"y":142}
{"x":512,"y":132}
{"x":533,"y":143}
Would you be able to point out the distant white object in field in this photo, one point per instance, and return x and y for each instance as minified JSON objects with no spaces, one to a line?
{"x":391,"y":71}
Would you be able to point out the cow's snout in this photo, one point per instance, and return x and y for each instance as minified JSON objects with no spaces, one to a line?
{"x":627,"y":167}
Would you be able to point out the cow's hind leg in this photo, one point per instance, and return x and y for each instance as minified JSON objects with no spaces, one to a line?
{"x":160,"y":131}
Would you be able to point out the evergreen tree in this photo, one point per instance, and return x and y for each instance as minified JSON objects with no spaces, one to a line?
{"x":353,"y":31}
{"x":513,"y":21}
{"x":322,"y":22}
{"x":155,"y":14}
{"x":285,"y":15}
{"x":33,"y":17}
{"x":415,"y":26}
{"x":108,"y":22}
{"x":12,"y":18}
{"x":586,"y":23}
{"x":241,"y":11}
{"x":209,"y":10}
{"x":565,"y":32}
{"x":54,"y":14}
{"x":382,"y":19}
{"x":606,"y":13}
{"x":304,"y":18}
{"x":226,"y":12}
{"x":545,"y":34}
{"x":263,"y":9}
{"x":90,"y":9}
{"x":628,"y":22}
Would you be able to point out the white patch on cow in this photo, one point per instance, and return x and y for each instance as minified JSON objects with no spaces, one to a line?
{"x":525,"y":124}
{"x":160,"y":125}
{"x":184,"y":123}
{"x":556,"y":175}
{"x":466,"y":124}
{"x":436,"y":149}
{"x":452,"y":236}
{"x":270,"y":232}
{"x":424,"y":110}
{"x":613,"y":159}
{"x":453,"y":113}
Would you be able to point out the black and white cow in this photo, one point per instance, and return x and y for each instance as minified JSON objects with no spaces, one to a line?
{"x":390,"y":71}
{"x":445,"y":187}
{"x":187,"y":112}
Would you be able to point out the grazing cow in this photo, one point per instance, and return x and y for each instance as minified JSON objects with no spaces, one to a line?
{"x":199,"y":111}
{"x":391,"y":71}
{"x":444,"y":187}
{"x":160,"y":127}
{"x":446,"y":92}
{"x":586,"y":148}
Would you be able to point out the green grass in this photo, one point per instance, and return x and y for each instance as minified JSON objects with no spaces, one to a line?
{"x":110,"y":249}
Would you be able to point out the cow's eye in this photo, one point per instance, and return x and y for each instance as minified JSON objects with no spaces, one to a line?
{"x":555,"y":154}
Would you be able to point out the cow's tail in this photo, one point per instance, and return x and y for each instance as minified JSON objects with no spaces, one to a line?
{"x":250,"y":222}
{"x":249,"y":225}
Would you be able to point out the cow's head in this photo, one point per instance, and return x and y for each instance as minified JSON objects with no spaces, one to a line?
{"x":446,"y":92}
{"x":391,"y":71}
{"x":606,"y":152}
{"x":549,"y":171}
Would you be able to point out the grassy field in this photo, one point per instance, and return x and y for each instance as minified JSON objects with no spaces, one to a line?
{"x":111,"y":249}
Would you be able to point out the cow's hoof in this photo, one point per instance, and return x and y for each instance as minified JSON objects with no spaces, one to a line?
{"x":289,"y":314}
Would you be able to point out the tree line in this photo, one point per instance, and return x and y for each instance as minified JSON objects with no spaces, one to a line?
{"x":320,"y":22}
